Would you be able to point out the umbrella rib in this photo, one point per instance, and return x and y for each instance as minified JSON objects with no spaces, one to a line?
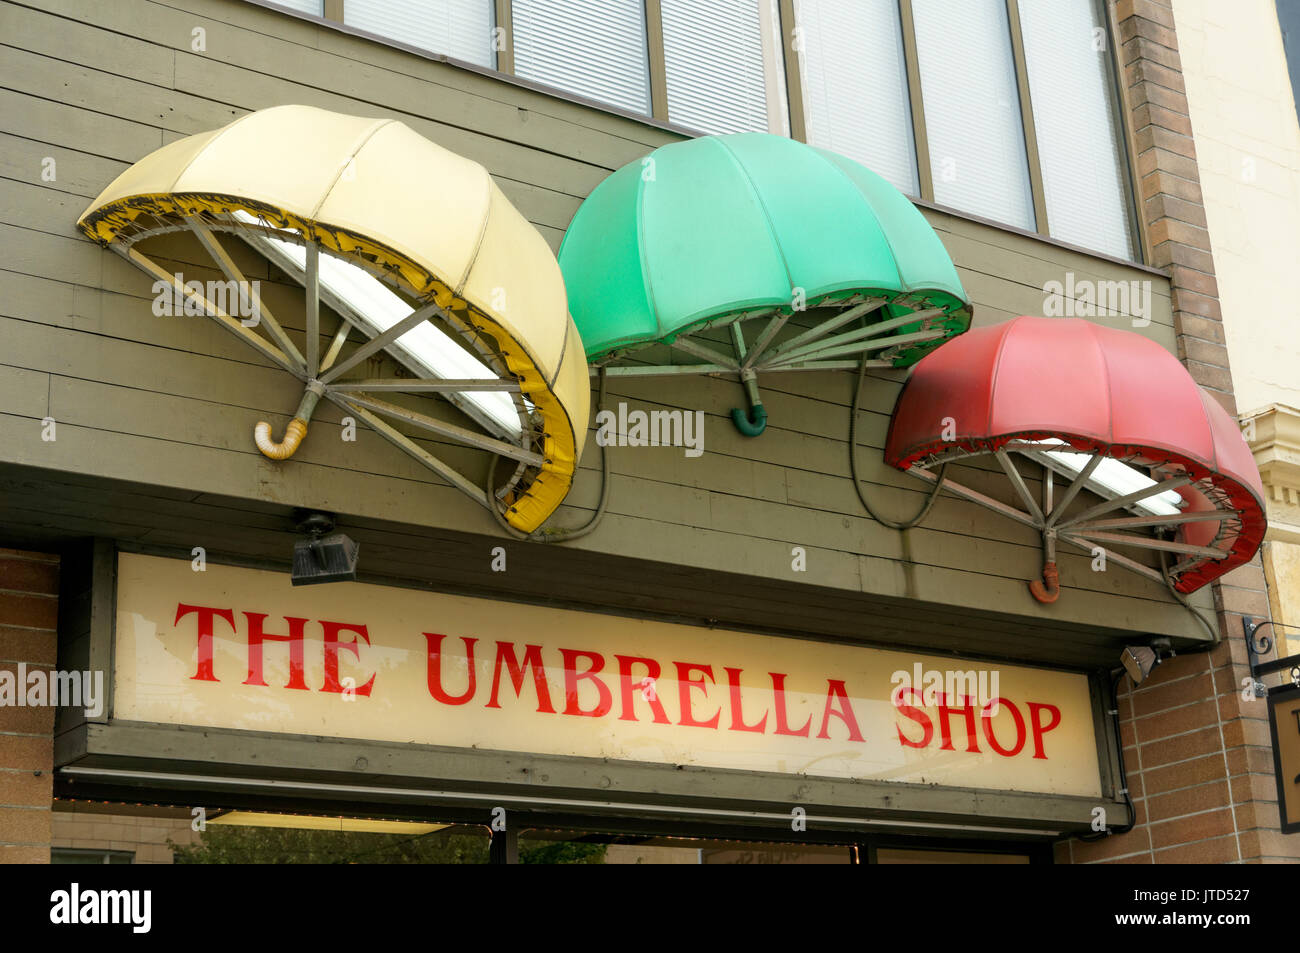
{"x":408,"y":446}
{"x":336,"y":346}
{"x":1127,"y":522}
{"x":696,"y":349}
{"x":445,"y":429}
{"x":661,"y":370}
{"x":738,"y":342}
{"x":1144,"y":542}
{"x":416,"y":317}
{"x":231,"y":271}
{"x":1018,"y":482}
{"x":976,"y":497}
{"x":1121,"y":501}
{"x":1077,"y":484}
{"x":836,"y":346}
{"x":260,"y":344}
{"x":313,"y":310}
{"x":822,"y":366}
{"x":825,"y":328}
{"x":1118,"y":558}
{"x":770,"y":331}
{"x":415,"y":385}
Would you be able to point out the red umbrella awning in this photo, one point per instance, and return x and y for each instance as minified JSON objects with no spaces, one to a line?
{"x":1111,"y":411}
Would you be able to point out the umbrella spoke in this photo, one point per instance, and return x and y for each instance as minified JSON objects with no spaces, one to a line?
{"x":870,"y":331}
{"x":1119,"y":559}
{"x":418,"y":316}
{"x":1018,"y":482}
{"x":696,"y":349}
{"x":443,"y":428}
{"x":823,"y":329}
{"x":1073,"y":489}
{"x":410,"y":447}
{"x":1127,"y":522}
{"x":829,"y":350}
{"x":228,"y":268}
{"x":774,"y":326}
{"x":997,"y":506}
{"x":417,"y":386}
{"x":1127,"y":499}
{"x":259,"y":343}
{"x":313,"y":309}
{"x":340,"y":337}
{"x":1150,"y":542}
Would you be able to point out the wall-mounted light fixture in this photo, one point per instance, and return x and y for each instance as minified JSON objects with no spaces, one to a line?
{"x":1139,"y":660}
{"x":321,"y":558}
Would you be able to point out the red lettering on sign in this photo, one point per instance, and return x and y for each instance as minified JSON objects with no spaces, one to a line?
{"x":918,"y":715}
{"x":572,"y":676}
{"x":647,"y":692}
{"x":835,"y":689}
{"x":332,"y":646}
{"x":257,"y":635}
{"x":738,"y":716}
{"x":533,"y":660}
{"x":988,"y":727}
{"x":435,"y":670}
{"x":968,"y":714}
{"x":1039,"y":728}
{"x":684,"y":686}
{"x":206,"y":615}
{"x":782,"y":727}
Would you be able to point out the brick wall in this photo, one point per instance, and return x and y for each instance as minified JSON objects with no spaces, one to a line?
{"x":1198,"y":756}
{"x":144,"y":836}
{"x":29,"y":609}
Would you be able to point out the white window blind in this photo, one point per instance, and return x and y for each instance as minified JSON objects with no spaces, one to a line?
{"x":972,"y":109}
{"x":314,"y":7}
{"x":461,"y":29}
{"x":1067,"y":56}
{"x":592,"y":48}
{"x":854,"y":81}
{"x":723,"y":64}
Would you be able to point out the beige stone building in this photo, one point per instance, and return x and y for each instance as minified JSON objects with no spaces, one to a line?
{"x":1248,"y":153}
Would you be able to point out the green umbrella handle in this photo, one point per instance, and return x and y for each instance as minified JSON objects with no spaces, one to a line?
{"x":750,"y":422}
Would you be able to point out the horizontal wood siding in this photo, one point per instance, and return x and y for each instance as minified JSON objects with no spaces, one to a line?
{"x":167,"y":405}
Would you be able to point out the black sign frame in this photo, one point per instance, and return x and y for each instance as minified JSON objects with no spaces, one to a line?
{"x":1276,"y":697}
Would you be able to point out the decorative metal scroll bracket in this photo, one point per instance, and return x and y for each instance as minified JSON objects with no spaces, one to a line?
{"x":1258,"y":645}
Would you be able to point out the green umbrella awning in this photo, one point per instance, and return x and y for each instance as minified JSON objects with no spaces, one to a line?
{"x":717,"y":230}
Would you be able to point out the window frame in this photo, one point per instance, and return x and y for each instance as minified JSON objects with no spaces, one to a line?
{"x":332,"y":15}
{"x":920,"y":139}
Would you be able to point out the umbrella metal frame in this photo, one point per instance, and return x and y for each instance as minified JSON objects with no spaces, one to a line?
{"x":814,"y":349}
{"x":1093,"y":529}
{"x":322,"y":375}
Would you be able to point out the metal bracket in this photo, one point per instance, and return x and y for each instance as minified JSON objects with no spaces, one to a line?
{"x":1260,"y":645}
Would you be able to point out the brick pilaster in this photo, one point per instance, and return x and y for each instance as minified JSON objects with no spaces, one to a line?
{"x":29,"y":607}
{"x":1198,"y":755}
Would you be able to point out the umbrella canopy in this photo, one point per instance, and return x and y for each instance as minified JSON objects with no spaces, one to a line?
{"x":1109,"y":409}
{"x":385,"y":207}
{"x":724,"y":225}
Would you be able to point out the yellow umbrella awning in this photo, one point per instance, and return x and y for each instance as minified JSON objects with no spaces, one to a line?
{"x":429,"y":223}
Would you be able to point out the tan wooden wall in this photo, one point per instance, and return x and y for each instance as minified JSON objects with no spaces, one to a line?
{"x":172,"y":401}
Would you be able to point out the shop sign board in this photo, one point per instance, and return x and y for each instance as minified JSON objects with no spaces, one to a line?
{"x":242,"y":649}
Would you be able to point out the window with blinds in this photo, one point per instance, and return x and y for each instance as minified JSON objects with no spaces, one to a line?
{"x":1080,"y":146}
{"x":592,"y":48}
{"x":461,"y":29}
{"x":854,"y":82}
{"x":972,"y":109}
{"x":723,"y":66}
